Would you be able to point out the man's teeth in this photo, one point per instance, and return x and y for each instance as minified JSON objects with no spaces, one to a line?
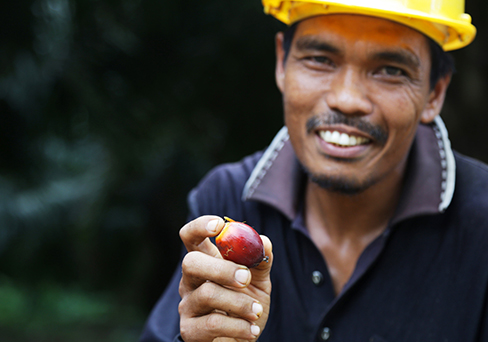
{"x":342,"y":139}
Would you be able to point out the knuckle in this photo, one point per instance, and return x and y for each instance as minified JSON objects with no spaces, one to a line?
{"x":185,"y":330}
{"x":189,"y":328}
{"x":188,"y":262}
{"x":208,"y":293}
{"x":244,"y":304}
{"x":185,"y":288}
{"x":182,"y":308}
{"x":181,"y":289}
{"x":184,"y":264}
{"x":186,"y":230}
{"x":213,"y":322}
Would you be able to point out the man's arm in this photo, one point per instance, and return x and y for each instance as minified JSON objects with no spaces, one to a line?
{"x":163,"y":324}
{"x":483,"y":331}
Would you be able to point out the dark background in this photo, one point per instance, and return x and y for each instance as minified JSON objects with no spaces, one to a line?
{"x":110,"y":112}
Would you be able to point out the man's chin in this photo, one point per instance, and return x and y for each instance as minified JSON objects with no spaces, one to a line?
{"x":338,"y":184}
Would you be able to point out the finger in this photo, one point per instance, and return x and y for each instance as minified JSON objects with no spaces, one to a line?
{"x":198,"y":267}
{"x":210,"y":297}
{"x":260,"y":274}
{"x":195,"y":234}
{"x":214,"y":325}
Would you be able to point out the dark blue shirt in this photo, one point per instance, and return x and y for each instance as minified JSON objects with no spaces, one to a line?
{"x":424,"y":279}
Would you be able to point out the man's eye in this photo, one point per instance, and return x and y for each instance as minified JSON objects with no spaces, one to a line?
{"x":392,"y":71}
{"x":319,"y":59}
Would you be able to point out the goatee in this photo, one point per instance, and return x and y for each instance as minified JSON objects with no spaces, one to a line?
{"x":338,"y":184}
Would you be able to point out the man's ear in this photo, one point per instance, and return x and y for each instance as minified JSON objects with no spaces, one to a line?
{"x":280,"y":60}
{"x":436,"y":100}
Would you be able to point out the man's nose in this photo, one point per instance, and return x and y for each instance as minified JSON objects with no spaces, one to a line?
{"x":348,"y":93}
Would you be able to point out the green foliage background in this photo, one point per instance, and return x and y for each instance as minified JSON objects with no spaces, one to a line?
{"x":110,"y":112}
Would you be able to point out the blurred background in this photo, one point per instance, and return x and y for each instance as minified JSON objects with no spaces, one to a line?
{"x":110,"y":112}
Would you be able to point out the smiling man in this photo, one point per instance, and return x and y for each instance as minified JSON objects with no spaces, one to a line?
{"x":376,"y":230}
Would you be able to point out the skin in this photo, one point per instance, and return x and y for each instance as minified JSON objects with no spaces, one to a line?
{"x":364,"y":69}
{"x":215,"y":306}
{"x":373,"y":70}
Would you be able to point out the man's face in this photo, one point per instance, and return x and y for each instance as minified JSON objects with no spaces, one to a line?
{"x":354,"y":90}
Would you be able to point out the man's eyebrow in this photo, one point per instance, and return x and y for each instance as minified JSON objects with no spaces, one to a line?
{"x":310,"y":43}
{"x":397,"y":56}
{"x":400,"y":57}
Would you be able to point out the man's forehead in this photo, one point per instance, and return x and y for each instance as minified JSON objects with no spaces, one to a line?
{"x":360,"y":28}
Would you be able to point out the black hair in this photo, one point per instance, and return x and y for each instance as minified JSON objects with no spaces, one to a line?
{"x":442,"y":63}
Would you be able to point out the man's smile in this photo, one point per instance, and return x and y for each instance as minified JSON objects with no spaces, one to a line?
{"x":342,"y":139}
{"x":348,"y":131}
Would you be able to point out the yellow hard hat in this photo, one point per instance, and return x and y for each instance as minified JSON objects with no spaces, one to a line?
{"x":442,"y":20}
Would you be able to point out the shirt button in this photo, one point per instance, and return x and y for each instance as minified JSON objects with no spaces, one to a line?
{"x":317,"y":278}
{"x":325,"y":334}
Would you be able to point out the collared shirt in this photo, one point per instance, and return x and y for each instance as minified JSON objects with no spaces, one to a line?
{"x":424,"y":279}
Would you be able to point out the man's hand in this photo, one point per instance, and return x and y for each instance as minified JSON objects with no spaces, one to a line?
{"x":220,"y":299}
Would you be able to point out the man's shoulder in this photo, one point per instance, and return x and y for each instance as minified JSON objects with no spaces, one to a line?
{"x":471,"y":175}
{"x":470,"y":200}
{"x":230,"y":174}
{"x":465,"y":160}
{"x":222,"y":186}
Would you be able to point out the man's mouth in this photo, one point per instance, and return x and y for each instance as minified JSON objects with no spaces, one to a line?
{"x":342,"y":139}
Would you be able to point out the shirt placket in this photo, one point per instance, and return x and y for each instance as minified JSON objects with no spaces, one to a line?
{"x":320,"y":277}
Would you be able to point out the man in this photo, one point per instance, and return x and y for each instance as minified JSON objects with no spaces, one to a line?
{"x":379,"y":230}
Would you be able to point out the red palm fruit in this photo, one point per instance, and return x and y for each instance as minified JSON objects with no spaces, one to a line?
{"x":240,"y":243}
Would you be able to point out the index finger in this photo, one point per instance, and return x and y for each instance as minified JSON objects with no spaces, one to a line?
{"x":195,"y":234}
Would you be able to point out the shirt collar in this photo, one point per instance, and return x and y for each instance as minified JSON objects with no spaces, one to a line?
{"x":277,"y":178}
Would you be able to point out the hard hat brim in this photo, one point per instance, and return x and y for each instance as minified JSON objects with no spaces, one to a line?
{"x":450,"y":33}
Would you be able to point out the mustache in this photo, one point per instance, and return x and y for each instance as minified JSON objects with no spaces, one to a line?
{"x":334,"y":118}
